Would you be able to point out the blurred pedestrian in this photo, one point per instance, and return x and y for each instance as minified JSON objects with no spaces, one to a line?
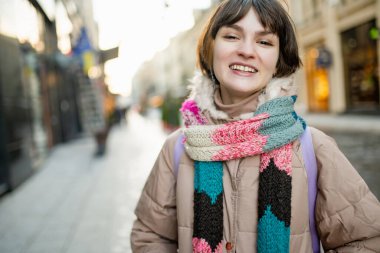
{"x":107,"y":119}
{"x":242,"y":183}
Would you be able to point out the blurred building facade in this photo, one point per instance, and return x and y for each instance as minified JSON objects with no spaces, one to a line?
{"x":167,"y":75}
{"x":49,"y":63}
{"x":340,"y":49}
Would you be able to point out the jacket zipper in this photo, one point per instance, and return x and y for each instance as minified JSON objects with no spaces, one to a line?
{"x":231,"y":247}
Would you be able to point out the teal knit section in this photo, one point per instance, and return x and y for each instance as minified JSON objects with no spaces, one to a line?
{"x":277,"y":106}
{"x":208,"y":178}
{"x":283,"y":125}
{"x":273,"y":235}
{"x":278,"y":139}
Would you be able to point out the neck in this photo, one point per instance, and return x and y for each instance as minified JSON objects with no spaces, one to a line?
{"x":237,"y":107}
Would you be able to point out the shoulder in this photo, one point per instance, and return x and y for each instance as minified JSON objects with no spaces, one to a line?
{"x":321,"y":140}
{"x":169,"y":146}
{"x":171,"y":140}
{"x":327,"y":152}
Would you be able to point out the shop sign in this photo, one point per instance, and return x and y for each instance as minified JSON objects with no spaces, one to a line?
{"x":374,"y":33}
{"x":324,"y":58}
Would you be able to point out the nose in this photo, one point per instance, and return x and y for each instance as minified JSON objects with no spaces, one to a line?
{"x":247,"y":49}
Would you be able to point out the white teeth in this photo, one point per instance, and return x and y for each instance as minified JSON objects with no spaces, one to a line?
{"x":243,"y":68}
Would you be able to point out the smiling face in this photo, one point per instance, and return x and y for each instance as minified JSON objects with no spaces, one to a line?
{"x":244,"y":57}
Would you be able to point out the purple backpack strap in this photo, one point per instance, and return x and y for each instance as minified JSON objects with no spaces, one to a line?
{"x":311,"y":171}
{"x":178,"y":150}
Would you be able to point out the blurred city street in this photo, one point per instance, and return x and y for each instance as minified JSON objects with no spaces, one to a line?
{"x":78,"y":203}
{"x":72,"y":167}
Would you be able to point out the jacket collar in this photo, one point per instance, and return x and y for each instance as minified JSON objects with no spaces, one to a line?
{"x":202,"y":91}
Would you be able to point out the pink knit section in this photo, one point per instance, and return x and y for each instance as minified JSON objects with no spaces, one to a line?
{"x":201,"y":246}
{"x":282,"y":158}
{"x":239,"y":139}
{"x":238,"y":131}
{"x":243,"y":149}
{"x":192,"y":114}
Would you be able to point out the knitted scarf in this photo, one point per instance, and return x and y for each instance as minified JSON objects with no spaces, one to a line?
{"x":269,"y":133}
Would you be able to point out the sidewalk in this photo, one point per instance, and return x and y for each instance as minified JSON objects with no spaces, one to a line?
{"x":80,"y":204}
{"x":344,"y":123}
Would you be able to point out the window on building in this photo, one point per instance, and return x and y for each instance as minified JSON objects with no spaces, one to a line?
{"x":360,"y":59}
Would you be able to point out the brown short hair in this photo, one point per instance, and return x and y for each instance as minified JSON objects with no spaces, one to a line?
{"x":272,"y":16}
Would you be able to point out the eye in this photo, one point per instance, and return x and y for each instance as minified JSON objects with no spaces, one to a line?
{"x":230,"y":37}
{"x":265,"y":43}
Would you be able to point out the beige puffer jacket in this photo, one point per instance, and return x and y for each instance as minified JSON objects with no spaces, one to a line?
{"x":347,"y":213}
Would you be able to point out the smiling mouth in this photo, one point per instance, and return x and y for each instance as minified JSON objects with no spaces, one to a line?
{"x":243,"y":68}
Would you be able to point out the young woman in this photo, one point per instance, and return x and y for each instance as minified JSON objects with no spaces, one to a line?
{"x":241,"y":184}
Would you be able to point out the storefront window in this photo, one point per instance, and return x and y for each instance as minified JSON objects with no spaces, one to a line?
{"x":361,"y":68}
{"x":317,"y":82}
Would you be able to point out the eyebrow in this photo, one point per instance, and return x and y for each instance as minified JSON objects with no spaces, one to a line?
{"x":240,"y":29}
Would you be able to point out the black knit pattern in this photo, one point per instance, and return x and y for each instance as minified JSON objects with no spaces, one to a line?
{"x":275,"y":189}
{"x":208,"y":219}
